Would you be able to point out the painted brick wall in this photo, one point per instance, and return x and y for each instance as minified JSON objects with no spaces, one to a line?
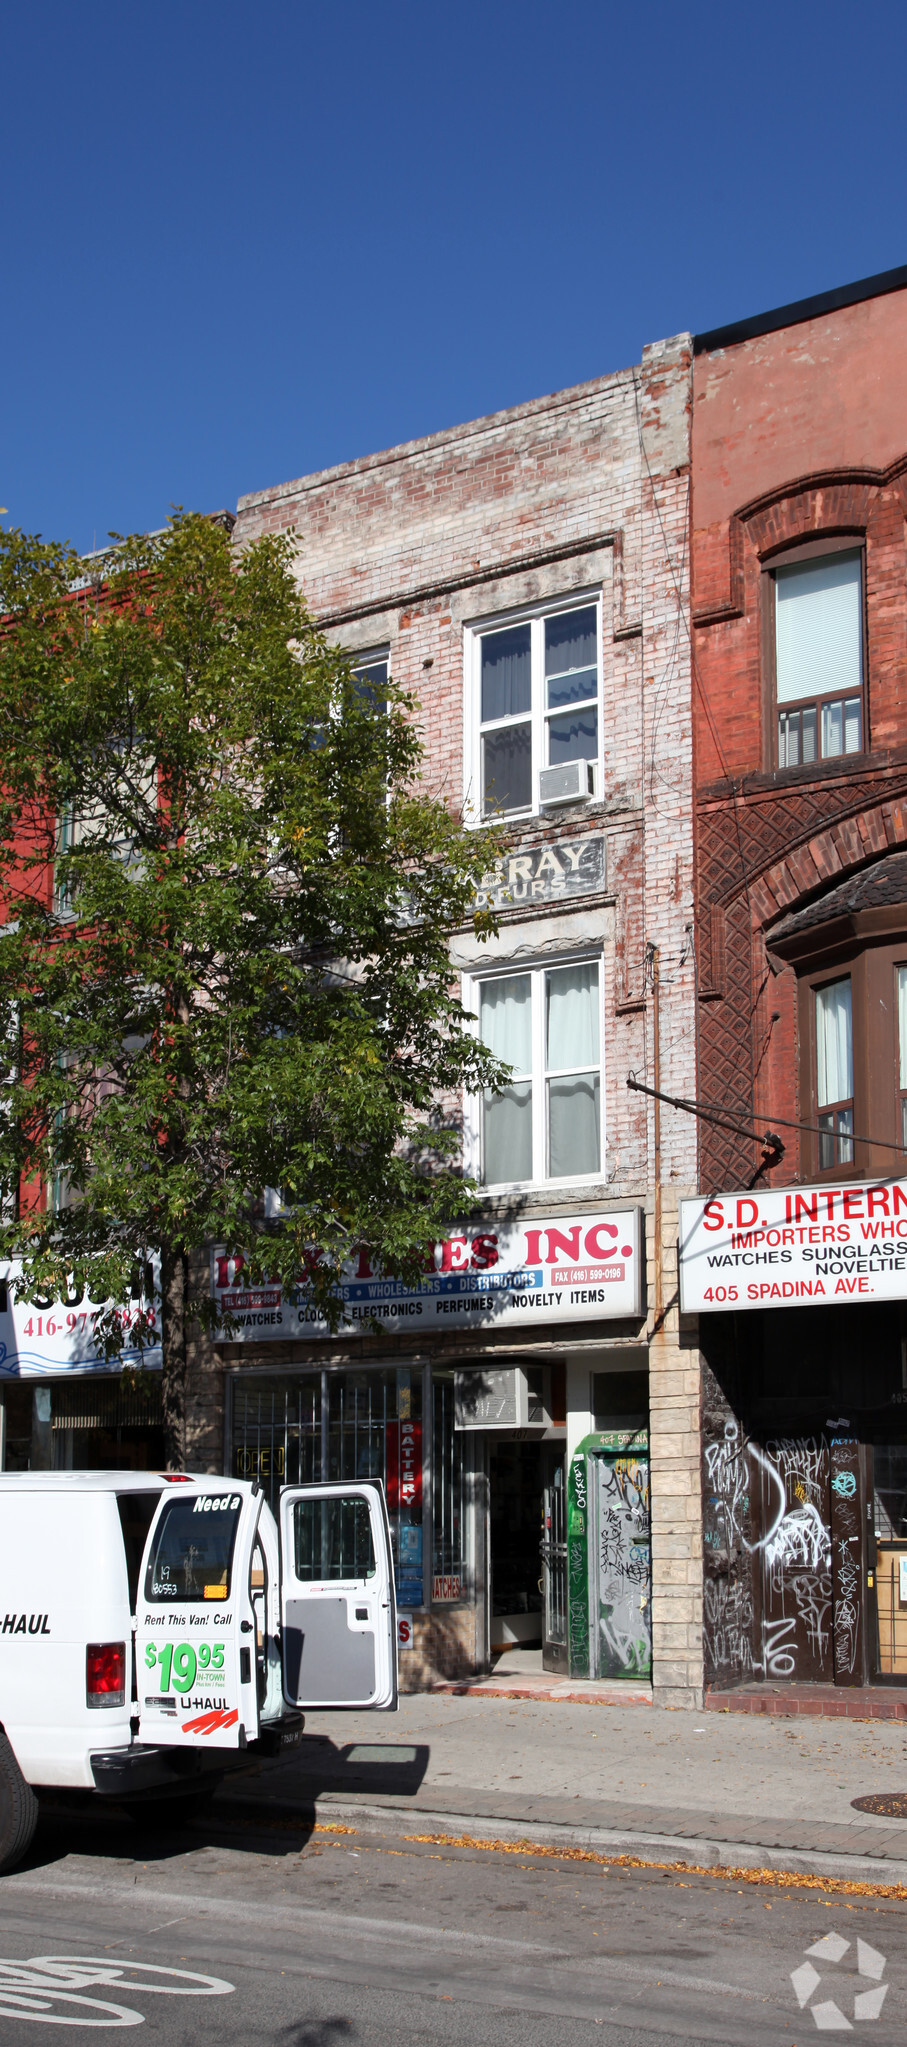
{"x":586,"y":490}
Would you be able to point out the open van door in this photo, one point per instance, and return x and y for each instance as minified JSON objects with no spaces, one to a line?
{"x":338,"y":1610}
{"x":195,"y":1622}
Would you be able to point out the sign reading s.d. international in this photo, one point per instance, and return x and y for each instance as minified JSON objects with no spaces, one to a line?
{"x":794,"y":1246}
{"x":573,"y":1268}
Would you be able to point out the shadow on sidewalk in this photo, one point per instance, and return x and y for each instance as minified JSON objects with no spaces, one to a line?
{"x":395,"y":1769}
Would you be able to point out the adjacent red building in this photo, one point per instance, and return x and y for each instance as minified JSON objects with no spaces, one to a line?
{"x":799,"y":629}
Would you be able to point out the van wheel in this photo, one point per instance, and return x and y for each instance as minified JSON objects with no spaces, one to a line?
{"x":18,"y":1810}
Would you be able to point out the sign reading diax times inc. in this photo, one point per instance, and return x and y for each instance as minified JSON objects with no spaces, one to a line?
{"x":572,"y":1268}
{"x":792,"y":1246}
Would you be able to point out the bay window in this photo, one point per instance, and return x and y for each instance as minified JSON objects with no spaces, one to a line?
{"x":545,"y":1123}
{"x":852,"y":974}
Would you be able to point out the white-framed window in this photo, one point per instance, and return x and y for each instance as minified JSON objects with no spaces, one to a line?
{"x":533,"y":702}
{"x":546,"y":1124}
{"x":371,"y":671}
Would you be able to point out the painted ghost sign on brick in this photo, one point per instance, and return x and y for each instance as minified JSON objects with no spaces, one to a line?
{"x":543,"y":874}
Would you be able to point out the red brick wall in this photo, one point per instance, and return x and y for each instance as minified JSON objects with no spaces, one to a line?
{"x":798,"y":433}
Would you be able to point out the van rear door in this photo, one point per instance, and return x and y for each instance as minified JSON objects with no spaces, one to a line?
{"x":338,"y":1612}
{"x":195,"y":1623}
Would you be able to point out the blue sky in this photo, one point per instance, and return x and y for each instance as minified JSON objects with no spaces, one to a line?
{"x":244,"y":243}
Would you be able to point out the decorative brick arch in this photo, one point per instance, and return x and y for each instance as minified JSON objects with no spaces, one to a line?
{"x":837,"y":501}
{"x":825,"y":857}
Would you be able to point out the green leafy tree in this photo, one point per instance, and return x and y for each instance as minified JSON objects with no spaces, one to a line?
{"x":224,"y":966}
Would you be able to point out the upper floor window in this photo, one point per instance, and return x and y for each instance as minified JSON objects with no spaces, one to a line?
{"x":546,"y":1124}
{"x":901,"y":976}
{"x":371,"y":678}
{"x":818,"y":657}
{"x":536,"y":707}
{"x":834,"y":1073}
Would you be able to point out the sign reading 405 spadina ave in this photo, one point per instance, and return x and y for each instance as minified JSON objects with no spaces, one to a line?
{"x":792,"y":1246}
{"x":572,"y":1268}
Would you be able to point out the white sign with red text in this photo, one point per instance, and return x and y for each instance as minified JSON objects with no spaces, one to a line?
{"x":790,"y":1247}
{"x":42,"y":1339}
{"x":573,"y":1268}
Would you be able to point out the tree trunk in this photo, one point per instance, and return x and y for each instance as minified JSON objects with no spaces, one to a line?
{"x":174,"y":1297}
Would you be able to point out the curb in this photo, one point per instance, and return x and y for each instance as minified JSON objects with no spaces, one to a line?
{"x":653,"y":1848}
{"x":566,"y":1694}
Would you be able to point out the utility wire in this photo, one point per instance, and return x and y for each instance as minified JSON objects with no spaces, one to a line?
{"x":709,"y":1114}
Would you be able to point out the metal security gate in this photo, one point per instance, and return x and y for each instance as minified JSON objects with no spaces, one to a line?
{"x":553,"y":1551}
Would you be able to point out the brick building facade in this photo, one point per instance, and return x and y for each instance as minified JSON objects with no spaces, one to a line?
{"x":526,"y":577}
{"x":799,"y":588}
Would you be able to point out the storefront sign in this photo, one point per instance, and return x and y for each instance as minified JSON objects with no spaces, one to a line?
{"x":445,"y":1591}
{"x":574,"y":1268}
{"x":405,"y":1631}
{"x":38,"y":1342}
{"x":403,"y":1482}
{"x":542,"y":874}
{"x":789,"y":1247}
{"x":404,"y":1467}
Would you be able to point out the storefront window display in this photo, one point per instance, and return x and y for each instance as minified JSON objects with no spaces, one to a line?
{"x":449,"y":1494}
{"x":340,"y":1425}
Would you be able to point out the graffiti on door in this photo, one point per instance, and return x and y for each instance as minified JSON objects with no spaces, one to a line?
{"x":847,"y":1556}
{"x":624,"y":1647}
{"x":795,"y":1550}
{"x":780,"y":1594}
{"x":728,"y":1613}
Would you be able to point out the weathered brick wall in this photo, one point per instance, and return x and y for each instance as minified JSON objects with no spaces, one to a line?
{"x":587,"y":490}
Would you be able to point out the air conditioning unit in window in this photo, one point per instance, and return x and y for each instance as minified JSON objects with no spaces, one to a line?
{"x":503,"y":1397}
{"x":572,"y":783}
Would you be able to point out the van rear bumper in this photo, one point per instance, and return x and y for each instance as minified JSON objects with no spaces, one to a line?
{"x":127,"y":1772}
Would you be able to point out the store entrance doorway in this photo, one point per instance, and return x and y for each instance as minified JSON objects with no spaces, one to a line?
{"x":528,"y":1551}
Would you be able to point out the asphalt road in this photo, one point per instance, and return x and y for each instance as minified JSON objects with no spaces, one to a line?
{"x":230,"y":1933}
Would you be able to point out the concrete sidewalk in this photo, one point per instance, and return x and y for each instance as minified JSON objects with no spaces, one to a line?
{"x":757,"y":1792}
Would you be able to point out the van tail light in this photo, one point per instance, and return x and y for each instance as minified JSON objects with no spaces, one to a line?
{"x":105,"y":1674}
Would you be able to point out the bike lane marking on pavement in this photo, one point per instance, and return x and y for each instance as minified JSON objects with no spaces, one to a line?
{"x":51,"y":1990}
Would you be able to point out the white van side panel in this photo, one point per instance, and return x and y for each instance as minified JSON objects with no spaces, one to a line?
{"x":62,"y":1574}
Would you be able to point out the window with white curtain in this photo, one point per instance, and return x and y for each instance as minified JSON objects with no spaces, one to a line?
{"x":534,"y":704}
{"x":901,"y":979}
{"x":545,"y":1124}
{"x":834,"y":1073}
{"x":819,"y":658}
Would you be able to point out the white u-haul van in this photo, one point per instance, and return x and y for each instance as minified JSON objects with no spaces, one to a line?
{"x":158,"y":1631}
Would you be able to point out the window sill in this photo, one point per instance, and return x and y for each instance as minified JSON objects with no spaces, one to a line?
{"x":501,"y":1190}
{"x":840,"y":765}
